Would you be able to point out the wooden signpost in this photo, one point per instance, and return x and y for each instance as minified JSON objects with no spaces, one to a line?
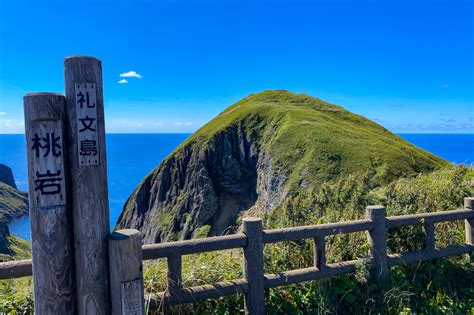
{"x":50,"y":217}
{"x":126,"y":272}
{"x":88,"y":169}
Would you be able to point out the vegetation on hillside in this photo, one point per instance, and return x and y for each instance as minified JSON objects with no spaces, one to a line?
{"x":267,"y":150}
{"x":312,"y":140}
{"x":441,"y":286}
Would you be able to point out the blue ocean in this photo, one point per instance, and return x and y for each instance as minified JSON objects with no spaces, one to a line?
{"x":131,"y":157}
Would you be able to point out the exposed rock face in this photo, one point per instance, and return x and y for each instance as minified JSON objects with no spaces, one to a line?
{"x":6,"y":175}
{"x":254,"y":155}
{"x":202,"y":187}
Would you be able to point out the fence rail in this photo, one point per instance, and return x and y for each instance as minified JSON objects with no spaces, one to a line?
{"x":252,"y":239}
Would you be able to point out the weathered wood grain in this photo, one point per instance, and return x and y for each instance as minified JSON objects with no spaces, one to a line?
{"x":50,"y":216}
{"x":90,"y":206}
{"x":253,"y":266}
{"x":377,"y":238}
{"x":126,"y":272}
{"x":16,"y":269}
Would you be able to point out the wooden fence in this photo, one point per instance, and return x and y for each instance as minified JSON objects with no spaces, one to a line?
{"x":79,"y":267}
{"x":253,"y":238}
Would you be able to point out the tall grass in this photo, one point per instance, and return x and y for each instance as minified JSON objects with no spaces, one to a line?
{"x":441,"y":286}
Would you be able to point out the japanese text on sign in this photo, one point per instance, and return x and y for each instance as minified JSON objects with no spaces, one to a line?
{"x":46,"y":146}
{"x":131,"y":298}
{"x":86,"y":109}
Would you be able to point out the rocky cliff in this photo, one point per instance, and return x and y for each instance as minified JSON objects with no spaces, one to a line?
{"x":254,"y":155}
{"x":13,"y":205}
{"x":6,"y":175}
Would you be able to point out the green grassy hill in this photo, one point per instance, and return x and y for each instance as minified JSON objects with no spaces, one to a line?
{"x":256,"y":156}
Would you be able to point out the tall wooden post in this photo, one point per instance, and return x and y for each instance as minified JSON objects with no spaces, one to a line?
{"x":378,"y":243}
{"x":253,"y":266}
{"x":126,"y":272}
{"x":50,"y":217}
{"x":88,"y":168}
{"x":469,"y":224}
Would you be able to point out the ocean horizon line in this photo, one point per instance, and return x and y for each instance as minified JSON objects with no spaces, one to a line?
{"x":190,"y":133}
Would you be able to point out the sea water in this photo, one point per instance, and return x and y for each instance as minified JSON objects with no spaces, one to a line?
{"x":130,"y":157}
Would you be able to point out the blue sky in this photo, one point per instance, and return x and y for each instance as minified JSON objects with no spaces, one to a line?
{"x":408,"y":65}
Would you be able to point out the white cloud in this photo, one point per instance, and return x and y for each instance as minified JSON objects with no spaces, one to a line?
{"x":139,"y":125}
{"x":183,"y":123}
{"x":123,"y":81}
{"x":130,"y":74}
{"x":158,"y":124}
{"x":3,"y":113}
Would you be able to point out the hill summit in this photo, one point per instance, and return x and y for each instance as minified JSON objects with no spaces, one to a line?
{"x":257,"y":153}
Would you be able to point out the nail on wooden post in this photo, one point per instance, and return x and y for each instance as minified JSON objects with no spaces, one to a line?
{"x":429,"y":237}
{"x":377,"y":238}
{"x":50,"y":216}
{"x":126,"y":272}
{"x":88,"y":169}
{"x":174,"y":275}
{"x":469,"y":224}
{"x":320,"y":252}
{"x":253,"y":266}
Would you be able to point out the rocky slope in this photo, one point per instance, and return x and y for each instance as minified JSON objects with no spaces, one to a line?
{"x":257,"y":153}
{"x":13,"y":205}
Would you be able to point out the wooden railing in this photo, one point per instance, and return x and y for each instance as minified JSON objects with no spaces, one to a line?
{"x":253,"y":238}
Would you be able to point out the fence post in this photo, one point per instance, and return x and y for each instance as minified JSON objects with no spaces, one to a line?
{"x":253,"y":266}
{"x":429,"y":241}
{"x":320,"y":252}
{"x":88,"y":167}
{"x":469,"y":224}
{"x":377,"y":238}
{"x":126,"y":272}
{"x":175,"y":281}
{"x":50,"y":216}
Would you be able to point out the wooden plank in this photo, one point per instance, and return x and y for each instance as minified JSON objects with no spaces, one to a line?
{"x":50,"y":216}
{"x":16,"y":269}
{"x":195,"y":246}
{"x":419,"y":256}
{"x":253,"y":266}
{"x":90,"y":206}
{"x":126,"y":272}
{"x":377,"y":238}
{"x":309,"y":274}
{"x":311,"y":231}
{"x":198,"y":293}
{"x":432,"y":217}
